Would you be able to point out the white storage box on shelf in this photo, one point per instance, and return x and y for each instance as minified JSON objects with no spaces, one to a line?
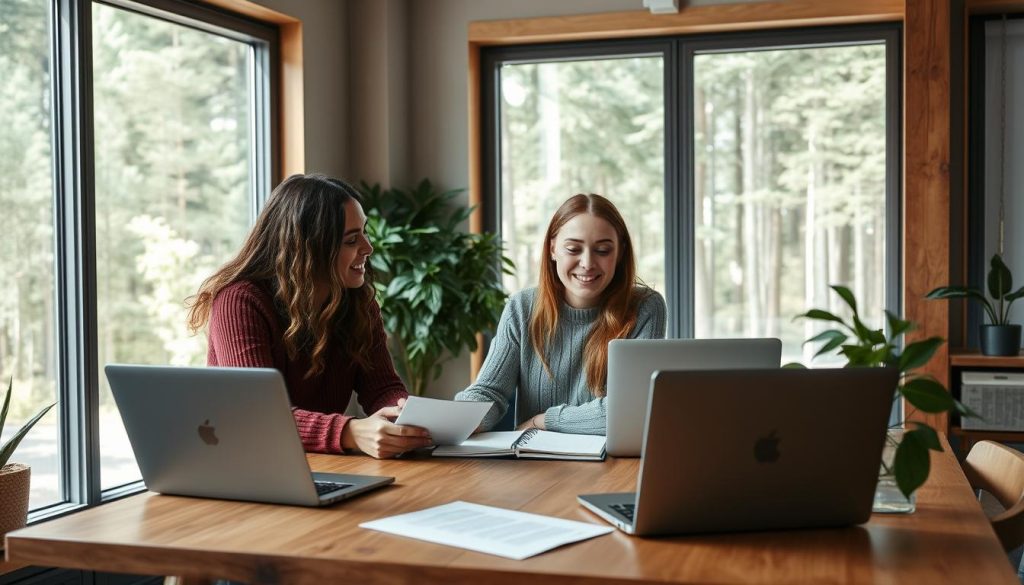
{"x":998,"y":397}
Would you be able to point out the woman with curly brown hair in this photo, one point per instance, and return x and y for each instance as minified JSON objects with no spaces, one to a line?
{"x":298,"y":297}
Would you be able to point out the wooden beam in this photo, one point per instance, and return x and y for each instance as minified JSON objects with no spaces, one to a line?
{"x":994,"y":6}
{"x":689,"y":20}
{"x":926,"y":184}
{"x":476,"y":181}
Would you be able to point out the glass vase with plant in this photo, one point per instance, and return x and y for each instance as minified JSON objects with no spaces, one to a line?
{"x":862,"y":346}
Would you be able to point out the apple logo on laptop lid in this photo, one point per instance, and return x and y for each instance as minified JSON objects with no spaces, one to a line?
{"x":766,"y":449}
{"x":208,"y":433}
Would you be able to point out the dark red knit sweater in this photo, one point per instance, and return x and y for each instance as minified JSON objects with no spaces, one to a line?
{"x":247,"y":331}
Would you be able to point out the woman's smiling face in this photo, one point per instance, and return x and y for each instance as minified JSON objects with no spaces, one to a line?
{"x":585,"y":252}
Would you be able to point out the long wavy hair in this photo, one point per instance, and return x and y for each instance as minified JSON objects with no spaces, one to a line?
{"x":619,"y":301}
{"x":292,"y":248}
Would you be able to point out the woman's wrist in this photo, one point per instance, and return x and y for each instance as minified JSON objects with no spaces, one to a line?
{"x":538,"y":421}
{"x":348,"y":441}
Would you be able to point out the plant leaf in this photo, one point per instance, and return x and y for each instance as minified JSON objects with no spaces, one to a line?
{"x":1015,"y":295}
{"x":918,"y":353}
{"x":835,"y":339}
{"x":7,"y":404}
{"x":847,"y":295}
{"x":794,"y":366}
{"x":912,"y":463}
{"x":966,"y":411}
{"x":8,"y":448}
{"x":897,"y":326}
{"x":927,"y":395}
{"x":949,"y":292}
{"x":872,"y":336}
{"x":821,"y":315}
{"x":927,"y":436}
{"x":999,"y":279}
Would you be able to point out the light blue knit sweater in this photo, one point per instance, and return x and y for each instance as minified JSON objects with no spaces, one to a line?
{"x":563,"y":397}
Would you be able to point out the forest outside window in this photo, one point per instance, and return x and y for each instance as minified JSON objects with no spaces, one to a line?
{"x":753,"y":169}
{"x":133,"y":164}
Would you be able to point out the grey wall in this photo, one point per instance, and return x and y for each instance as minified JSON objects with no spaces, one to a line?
{"x":325,"y":53}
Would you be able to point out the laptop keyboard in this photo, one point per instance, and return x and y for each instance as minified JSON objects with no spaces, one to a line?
{"x":625,"y":510}
{"x":324,"y":487}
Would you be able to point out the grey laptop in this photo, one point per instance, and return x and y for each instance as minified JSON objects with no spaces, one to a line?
{"x":739,"y":450}
{"x":222,"y":433}
{"x":632,"y":361}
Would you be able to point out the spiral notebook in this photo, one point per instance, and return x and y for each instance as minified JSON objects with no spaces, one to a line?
{"x":528,"y":444}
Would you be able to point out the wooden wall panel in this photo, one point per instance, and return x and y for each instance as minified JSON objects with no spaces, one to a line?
{"x":926,"y":182}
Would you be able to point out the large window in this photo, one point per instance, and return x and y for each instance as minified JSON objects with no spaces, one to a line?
{"x":173,"y":190}
{"x":592,"y":126}
{"x":753,"y":170}
{"x":28,"y":314}
{"x":132,"y":166}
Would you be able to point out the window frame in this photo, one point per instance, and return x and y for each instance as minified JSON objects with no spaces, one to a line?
{"x":74,"y":213}
{"x":678,"y":52}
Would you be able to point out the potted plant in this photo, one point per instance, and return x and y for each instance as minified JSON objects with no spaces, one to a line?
{"x":14,"y":477}
{"x":866,"y":347}
{"x":437,"y":285}
{"x":999,"y":337}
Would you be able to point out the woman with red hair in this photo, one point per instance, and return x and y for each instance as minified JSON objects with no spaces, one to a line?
{"x":550,"y":352}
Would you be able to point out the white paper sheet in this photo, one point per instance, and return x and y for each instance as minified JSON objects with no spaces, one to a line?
{"x":450,"y":422}
{"x":495,"y":531}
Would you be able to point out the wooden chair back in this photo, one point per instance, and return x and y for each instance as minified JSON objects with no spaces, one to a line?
{"x":999,"y":470}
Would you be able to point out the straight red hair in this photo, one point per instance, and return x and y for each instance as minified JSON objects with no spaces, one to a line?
{"x":619,"y":301}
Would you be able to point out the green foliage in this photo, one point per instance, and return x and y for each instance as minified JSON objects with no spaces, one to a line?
{"x":437,"y":285}
{"x":866,"y":347}
{"x":7,"y":449}
{"x":1000,"y":282}
{"x":171,"y":105}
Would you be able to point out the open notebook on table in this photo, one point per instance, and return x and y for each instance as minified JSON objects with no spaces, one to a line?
{"x":531,"y":444}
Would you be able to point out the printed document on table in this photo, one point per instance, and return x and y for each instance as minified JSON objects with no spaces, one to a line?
{"x":495,"y":531}
{"x":450,"y":422}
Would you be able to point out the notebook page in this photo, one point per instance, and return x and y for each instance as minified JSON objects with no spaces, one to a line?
{"x":563,"y":443}
{"x":494,"y":443}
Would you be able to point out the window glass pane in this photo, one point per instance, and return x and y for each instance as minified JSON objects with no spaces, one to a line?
{"x":592,"y":126}
{"x":173,"y":190}
{"x":28,"y":317}
{"x":790,"y":175}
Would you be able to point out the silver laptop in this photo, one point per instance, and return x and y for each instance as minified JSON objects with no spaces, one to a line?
{"x":222,"y":433}
{"x":740,"y":450}
{"x":632,"y":361}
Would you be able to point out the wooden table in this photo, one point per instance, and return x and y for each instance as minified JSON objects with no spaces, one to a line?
{"x":948,"y":539}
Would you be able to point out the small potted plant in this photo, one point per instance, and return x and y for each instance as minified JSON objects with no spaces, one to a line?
{"x":14,"y":477}
{"x":999,"y":337}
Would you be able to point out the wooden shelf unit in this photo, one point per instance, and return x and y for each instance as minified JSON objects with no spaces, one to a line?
{"x":973,"y":359}
{"x":960,"y":360}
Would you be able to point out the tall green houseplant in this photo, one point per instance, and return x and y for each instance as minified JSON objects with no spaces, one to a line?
{"x":438,"y":286}
{"x":863,"y":346}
